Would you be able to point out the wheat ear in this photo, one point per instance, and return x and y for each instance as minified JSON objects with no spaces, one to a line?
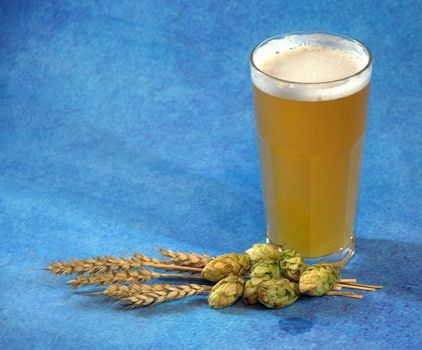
{"x":99,"y":264}
{"x":118,"y":291}
{"x":187,"y":259}
{"x":164,"y":294}
{"x":110,"y":263}
{"x":123,"y":277}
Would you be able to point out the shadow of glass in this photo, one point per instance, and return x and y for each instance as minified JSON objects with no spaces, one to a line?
{"x":392,"y":264}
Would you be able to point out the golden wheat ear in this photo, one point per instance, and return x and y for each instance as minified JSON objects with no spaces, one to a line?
{"x":187,"y":259}
{"x":124,"y":277}
{"x":164,"y":294}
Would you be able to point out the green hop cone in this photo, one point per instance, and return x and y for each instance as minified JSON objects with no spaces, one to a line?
{"x":226,"y":292}
{"x":266,"y":269}
{"x":263,"y":251}
{"x":250,"y":292}
{"x":291,"y":264}
{"x":318,"y":279}
{"x":277,"y":293}
{"x":226,"y":265}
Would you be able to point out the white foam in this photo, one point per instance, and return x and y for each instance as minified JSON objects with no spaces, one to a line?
{"x":310,"y":67}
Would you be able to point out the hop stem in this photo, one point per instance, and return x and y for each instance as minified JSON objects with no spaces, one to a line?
{"x":351,"y":286}
{"x":364,"y":285}
{"x":348,"y":280}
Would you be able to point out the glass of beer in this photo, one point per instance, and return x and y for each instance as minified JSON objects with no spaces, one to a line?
{"x":311,"y":95}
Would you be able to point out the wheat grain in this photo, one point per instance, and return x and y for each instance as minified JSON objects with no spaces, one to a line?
{"x":167,"y":293}
{"x":123,"y":291}
{"x":187,"y":259}
{"x":99,"y":264}
{"x":123,"y":277}
{"x":118,"y":291}
{"x":145,"y":258}
{"x":103,"y":264}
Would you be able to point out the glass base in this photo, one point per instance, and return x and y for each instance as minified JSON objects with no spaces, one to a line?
{"x":339,"y":258}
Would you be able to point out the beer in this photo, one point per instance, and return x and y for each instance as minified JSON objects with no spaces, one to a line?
{"x":311,"y":93}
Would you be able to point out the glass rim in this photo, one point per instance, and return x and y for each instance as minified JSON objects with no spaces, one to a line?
{"x":284,"y":35}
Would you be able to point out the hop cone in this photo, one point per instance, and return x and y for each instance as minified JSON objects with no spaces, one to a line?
{"x":250,"y":292}
{"x":291,"y":264}
{"x":226,"y":265}
{"x":318,"y":279}
{"x":263,"y":270}
{"x":226,"y":292}
{"x":267,"y":269}
{"x":263,"y":251}
{"x":277,"y":293}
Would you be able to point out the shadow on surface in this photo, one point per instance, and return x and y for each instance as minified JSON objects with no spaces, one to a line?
{"x":173,"y":308}
{"x":99,"y":302}
{"x":393,"y":264}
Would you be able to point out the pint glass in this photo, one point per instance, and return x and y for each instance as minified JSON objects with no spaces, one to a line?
{"x":311,"y":94}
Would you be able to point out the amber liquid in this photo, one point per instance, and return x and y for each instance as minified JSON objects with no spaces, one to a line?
{"x":310,"y":163}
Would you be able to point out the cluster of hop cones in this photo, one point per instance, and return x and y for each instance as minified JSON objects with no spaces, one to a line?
{"x":264,"y":273}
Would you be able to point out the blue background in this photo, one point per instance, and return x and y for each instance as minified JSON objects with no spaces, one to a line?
{"x":126,"y":126}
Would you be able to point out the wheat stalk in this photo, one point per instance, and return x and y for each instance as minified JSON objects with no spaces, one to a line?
{"x":187,"y":259}
{"x":102,"y":264}
{"x":164,"y":294}
{"x":123,"y":277}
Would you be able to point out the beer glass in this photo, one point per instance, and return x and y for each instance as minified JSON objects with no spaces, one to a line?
{"x":311,"y":94}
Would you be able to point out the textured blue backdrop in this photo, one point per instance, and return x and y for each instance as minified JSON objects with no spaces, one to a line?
{"x":129,"y":125}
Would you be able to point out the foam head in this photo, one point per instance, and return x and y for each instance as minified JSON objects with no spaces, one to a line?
{"x":310,"y":67}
